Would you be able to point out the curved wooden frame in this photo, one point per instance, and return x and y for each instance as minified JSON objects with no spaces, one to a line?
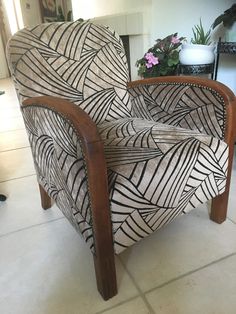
{"x":220,"y":202}
{"x":93,"y":150}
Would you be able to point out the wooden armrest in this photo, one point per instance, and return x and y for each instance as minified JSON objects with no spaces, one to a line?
{"x":86,"y":128}
{"x":93,"y":153}
{"x":217,"y":86}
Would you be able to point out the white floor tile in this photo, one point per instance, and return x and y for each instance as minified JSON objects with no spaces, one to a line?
{"x":13,"y":140}
{"x":209,"y":291}
{"x":232,"y":200}
{"x":9,"y":112}
{"x":15,"y":164}
{"x":22,"y":208}
{"x":10,"y":115}
{"x":15,"y":123}
{"x":49,"y":269}
{"x":7,"y":86}
{"x":136,"y":306}
{"x":184,"y":245}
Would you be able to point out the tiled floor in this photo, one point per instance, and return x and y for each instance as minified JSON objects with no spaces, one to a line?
{"x":45,"y":268}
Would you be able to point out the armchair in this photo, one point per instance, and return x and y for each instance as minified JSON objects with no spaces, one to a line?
{"x":119,"y":160}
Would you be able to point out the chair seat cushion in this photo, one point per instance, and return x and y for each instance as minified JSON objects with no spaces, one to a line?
{"x":157,"y":172}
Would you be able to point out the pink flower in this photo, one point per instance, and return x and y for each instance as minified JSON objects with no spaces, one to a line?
{"x":152,"y":60}
{"x":175,"y":40}
{"x":149,"y":65}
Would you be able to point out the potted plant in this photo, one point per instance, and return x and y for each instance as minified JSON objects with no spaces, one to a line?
{"x":200,"y":50}
{"x":161,"y":59}
{"x":228,"y":19}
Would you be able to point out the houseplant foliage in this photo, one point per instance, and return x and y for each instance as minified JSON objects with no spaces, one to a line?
{"x":161,"y":59}
{"x":200,"y":36}
{"x":228,"y":18}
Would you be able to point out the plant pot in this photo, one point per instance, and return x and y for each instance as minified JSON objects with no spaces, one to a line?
{"x":192,"y":54}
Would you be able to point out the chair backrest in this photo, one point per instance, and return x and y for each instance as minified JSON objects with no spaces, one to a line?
{"x":80,"y":62}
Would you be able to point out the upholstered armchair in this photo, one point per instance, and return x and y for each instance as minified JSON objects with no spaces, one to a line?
{"x":120,"y":159}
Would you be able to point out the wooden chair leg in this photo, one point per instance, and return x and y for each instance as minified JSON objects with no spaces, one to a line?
{"x":45,"y":199}
{"x":219,"y":207}
{"x":219,"y":204}
{"x":106,"y":276}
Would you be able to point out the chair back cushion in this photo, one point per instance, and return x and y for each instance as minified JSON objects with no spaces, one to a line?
{"x":81,"y":62}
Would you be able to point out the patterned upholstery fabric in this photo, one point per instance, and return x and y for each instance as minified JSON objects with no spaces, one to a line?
{"x":60,"y":166}
{"x":157,"y":172}
{"x":161,"y":162}
{"x":83,"y":63}
{"x":188,"y":106}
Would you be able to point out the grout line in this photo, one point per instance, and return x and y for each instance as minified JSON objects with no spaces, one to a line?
{"x":30,"y":227}
{"x":9,"y":150}
{"x":142,"y":295}
{"x":29,"y":175}
{"x":191,"y":272}
{"x":118,"y":304}
{"x":231,"y":220}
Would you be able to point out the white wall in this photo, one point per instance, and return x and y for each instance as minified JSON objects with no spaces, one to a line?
{"x":180,"y":16}
{"x":163,"y":18}
{"x":92,"y":8}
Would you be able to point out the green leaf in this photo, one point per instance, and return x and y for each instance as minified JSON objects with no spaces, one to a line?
{"x":200,"y":36}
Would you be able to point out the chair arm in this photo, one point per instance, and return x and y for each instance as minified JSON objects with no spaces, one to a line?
{"x":191,"y":102}
{"x":94,"y":159}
